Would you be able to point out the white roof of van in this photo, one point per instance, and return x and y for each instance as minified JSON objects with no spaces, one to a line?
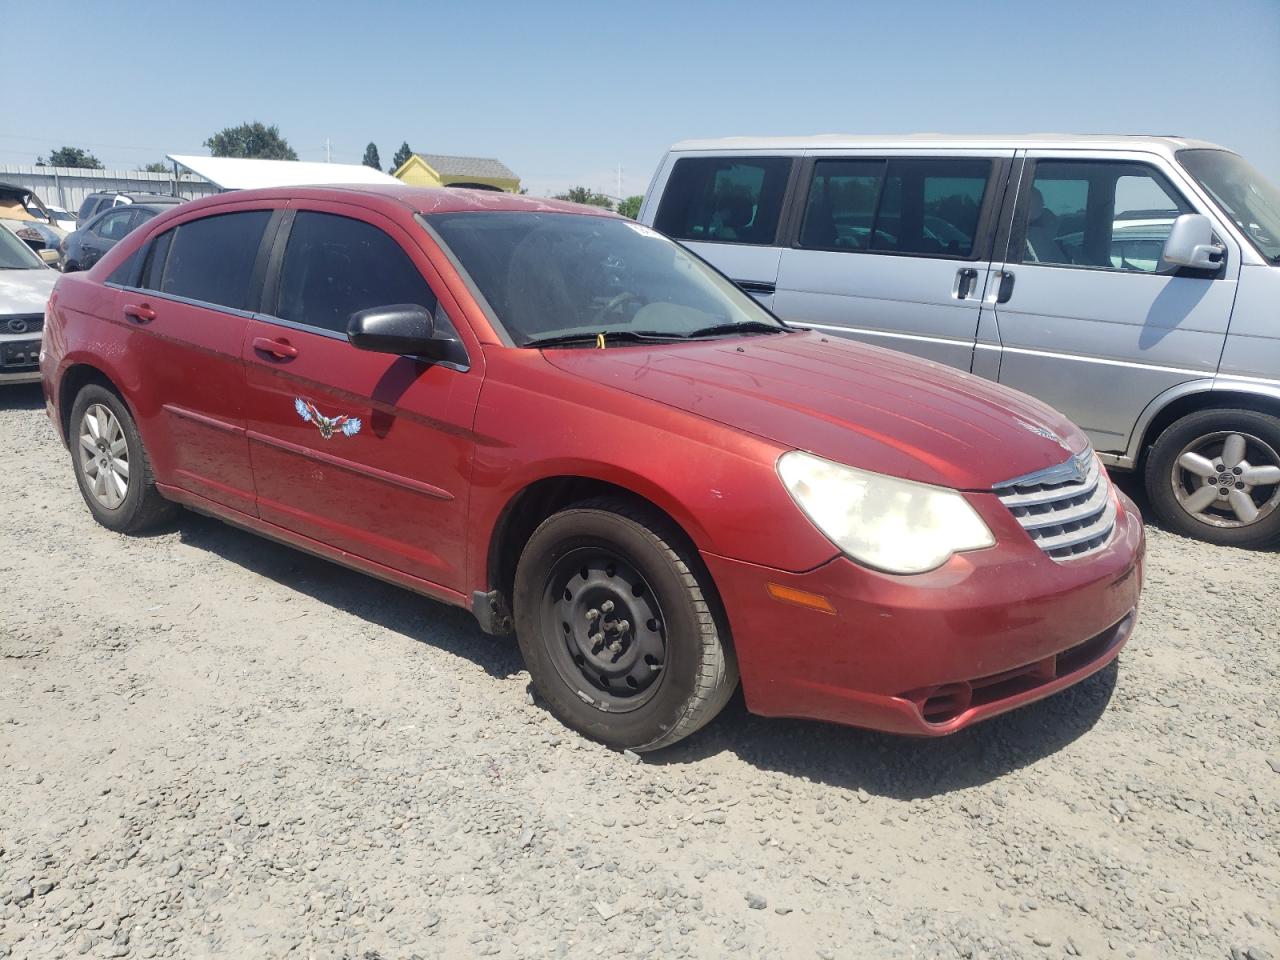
{"x":234,"y":173}
{"x":1022,"y":141}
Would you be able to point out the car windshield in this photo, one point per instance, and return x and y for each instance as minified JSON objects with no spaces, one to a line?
{"x":1248,"y":198}
{"x":566,"y":276}
{"x":16,"y":255}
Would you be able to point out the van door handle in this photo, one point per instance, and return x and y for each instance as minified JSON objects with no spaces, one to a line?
{"x":965,"y":278}
{"x":139,"y":312}
{"x":280,"y":349}
{"x":1002,"y":289}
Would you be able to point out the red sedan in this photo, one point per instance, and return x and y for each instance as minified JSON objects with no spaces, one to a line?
{"x":583,"y":433}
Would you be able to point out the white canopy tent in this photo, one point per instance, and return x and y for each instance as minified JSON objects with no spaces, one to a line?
{"x":232,"y":173}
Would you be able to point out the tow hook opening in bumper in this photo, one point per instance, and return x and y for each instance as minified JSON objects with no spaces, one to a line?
{"x":941,"y":703}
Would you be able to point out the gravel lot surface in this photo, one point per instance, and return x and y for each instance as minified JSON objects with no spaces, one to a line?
{"x":211,"y":745}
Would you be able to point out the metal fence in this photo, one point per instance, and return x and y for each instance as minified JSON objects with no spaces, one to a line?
{"x":67,"y":187}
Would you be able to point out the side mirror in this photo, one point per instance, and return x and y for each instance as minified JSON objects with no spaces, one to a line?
{"x":1191,"y":243}
{"x":401,"y":328}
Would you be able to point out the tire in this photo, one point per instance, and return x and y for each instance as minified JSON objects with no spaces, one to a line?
{"x":664,"y":666}
{"x":141,"y":506}
{"x":1197,"y":452}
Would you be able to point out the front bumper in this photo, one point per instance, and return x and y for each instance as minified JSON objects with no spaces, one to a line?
{"x":932,"y":653}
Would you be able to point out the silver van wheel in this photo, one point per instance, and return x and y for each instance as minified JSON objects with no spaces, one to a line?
{"x":1227,"y":479}
{"x":104,"y":456}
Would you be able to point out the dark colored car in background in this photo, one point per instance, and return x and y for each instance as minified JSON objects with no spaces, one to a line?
{"x":578,"y":430}
{"x":84,"y":247}
{"x":95,"y":203}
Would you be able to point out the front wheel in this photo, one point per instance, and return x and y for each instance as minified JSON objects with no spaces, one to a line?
{"x":615,"y":619}
{"x":1215,"y":475}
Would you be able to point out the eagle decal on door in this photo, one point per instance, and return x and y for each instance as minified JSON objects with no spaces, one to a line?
{"x":347,"y":426}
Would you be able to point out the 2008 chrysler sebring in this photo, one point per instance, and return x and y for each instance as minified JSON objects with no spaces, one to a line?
{"x":580,"y":431}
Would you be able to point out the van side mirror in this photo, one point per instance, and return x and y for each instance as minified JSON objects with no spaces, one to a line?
{"x":401,"y":328}
{"x":1191,"y":243}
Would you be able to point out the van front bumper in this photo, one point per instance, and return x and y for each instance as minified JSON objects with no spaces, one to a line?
{"x":932,"y":653}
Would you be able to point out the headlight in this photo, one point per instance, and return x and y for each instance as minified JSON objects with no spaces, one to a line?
{"x":894,"y":525}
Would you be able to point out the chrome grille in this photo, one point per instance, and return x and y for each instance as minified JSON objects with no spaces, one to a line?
{"x":22,"y":323}
{"x":1067,"y":509}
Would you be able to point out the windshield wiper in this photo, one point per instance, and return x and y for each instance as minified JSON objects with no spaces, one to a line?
{"x":749,"y":326}
{"x":608,"y":336}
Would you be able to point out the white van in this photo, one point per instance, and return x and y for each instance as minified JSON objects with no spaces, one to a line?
{"x":1131,"y":282}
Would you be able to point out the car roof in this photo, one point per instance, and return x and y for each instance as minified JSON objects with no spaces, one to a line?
{"x":1025,"y":141}
{"x":425,"y":200}
{"x":142,"y":196}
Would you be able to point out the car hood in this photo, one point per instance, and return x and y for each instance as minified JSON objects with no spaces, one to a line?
{"x":849,"y":402}
{"x":25,"y":291}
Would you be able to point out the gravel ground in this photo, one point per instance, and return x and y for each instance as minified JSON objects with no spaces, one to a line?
{"x":211,"y":745}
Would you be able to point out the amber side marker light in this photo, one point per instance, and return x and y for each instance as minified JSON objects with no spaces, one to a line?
{"x":801,"y":598}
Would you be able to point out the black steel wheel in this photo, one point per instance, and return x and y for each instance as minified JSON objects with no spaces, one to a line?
{"x":611,"y":624}
{"x":619,"y":627}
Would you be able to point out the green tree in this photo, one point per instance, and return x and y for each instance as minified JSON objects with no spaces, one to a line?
{"x":70,"y":157}
{"x":371,"y":158}
{"x":630,"y":207}
{"x":402,"y":157}
{"x":251,"y":140}
{"x":585,"y":195}
{"x":158,"y":167}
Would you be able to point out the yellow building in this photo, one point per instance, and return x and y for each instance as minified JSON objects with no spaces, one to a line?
{"x":438,"y":170}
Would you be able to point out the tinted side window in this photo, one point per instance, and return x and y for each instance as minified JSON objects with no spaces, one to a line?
{"x":724,"y":199}
{"x":153,"y":265}
{"x":114,"y":225}
{"x":841,"y":205}
{"x":335,"y":266}
{"x":86,"y":207}
{"x":212,"y":260}
{"x":931,"y":206}
{"x":1102,"y":214}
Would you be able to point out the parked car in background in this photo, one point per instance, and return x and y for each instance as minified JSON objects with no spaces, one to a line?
{"x":25,"y":216}
{"x":1130,"y":282}
{"x":25,"y":284}
{"x":567,"y":423}
{"x":95,"y":203}
{"x":62,"y":219}
{"x":82,"y":248}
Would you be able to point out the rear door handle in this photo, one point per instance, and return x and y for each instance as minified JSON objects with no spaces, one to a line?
{"x":963,"y":286}
{"x":139,"y":312}
{"x":280,"y":349}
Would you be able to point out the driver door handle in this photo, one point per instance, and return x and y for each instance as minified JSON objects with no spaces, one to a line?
{"x":280,"y":349}
{"x":1002,"y":289}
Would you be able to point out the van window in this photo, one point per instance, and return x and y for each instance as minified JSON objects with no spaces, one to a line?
{"x":724,"y":199}
{"x":928,"y":207}
{"x":1102,"y":214}
{"x":210,"y":260}
{"x":335,"y":266}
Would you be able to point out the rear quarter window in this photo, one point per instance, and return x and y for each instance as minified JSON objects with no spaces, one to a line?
{"x":724,"y":199}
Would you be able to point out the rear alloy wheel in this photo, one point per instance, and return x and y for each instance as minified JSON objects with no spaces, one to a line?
{"x":614,"y":615}
{"x":1215,"y":475}
{"x":111,"y":465}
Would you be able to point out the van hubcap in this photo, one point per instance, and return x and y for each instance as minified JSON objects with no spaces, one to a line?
{"x":1228,"y":479}
{"x":605,"y":629}
{"x":104,"y":456}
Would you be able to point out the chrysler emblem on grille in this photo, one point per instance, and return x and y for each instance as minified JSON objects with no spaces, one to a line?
{"x":17,"y":325}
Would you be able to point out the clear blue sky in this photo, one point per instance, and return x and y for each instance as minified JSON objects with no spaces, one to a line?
{"x":564,"y":91}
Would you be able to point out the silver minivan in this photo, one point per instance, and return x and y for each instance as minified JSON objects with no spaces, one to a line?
{"x":1131,"y":282}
